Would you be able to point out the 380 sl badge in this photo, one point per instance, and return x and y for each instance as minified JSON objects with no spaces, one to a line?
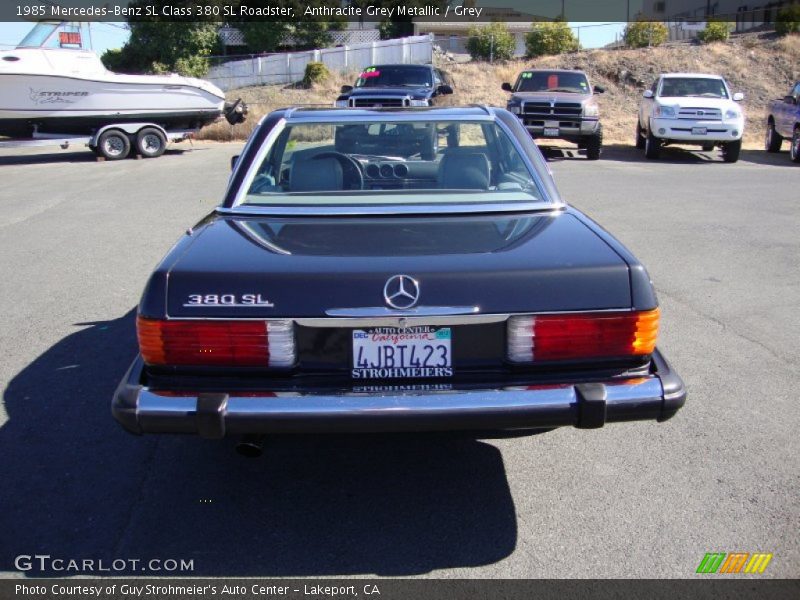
{"x":227,"y":300}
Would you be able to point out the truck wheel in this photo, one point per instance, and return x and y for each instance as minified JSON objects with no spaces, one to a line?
{"x":150,"y":142}
{"x":113,"y":144}
{"x":640,"y":141}
{"x":731,"y":150}
{"x":794,"y":152}
{"x":594,"y":145}
{"x":652,"y":146}
{"x":773,"y":140}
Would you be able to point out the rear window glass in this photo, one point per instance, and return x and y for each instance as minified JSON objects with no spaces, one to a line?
{"x":392,"y":163}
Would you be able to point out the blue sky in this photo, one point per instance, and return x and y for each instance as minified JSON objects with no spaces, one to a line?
{"x":113,"y":35}
{"x":104,"y":35}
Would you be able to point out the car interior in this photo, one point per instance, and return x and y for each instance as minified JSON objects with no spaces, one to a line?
{"x":392,"y":156}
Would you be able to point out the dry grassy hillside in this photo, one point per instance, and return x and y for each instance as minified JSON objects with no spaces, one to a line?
{"x":760,"y":66}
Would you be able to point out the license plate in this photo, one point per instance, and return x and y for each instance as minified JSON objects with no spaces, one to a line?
{"x":551,"y":131}
{"x":699,"y":131}
{"x":394,"y":353}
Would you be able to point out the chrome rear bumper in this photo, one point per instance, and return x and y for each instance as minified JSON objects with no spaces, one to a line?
{"x":657,"y":396}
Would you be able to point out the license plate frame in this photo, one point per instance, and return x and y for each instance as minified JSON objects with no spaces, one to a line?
{"x":393,"y":353}
{"x":699,"y":130}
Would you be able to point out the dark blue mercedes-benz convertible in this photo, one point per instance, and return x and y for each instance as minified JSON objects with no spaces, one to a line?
{"x":395,"y":270}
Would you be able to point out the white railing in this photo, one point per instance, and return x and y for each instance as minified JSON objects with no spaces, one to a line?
{"x":290,"y":67}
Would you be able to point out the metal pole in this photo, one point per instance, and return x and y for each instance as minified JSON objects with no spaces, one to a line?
{"x":491,"y":48}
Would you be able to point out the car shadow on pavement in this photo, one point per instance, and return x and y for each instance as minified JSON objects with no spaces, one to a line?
{"x":669,"y":154}
{"x":82,"y":155}
{"x":761,"y":157}
{"x":75,"y":486}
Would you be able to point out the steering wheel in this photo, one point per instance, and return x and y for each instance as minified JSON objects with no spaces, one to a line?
{"x":351,"y":168}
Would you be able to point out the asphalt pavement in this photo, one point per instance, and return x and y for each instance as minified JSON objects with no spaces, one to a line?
{"x":78,"y":239}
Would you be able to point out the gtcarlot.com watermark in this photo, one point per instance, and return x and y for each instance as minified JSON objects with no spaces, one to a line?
{"x":48,"y":563}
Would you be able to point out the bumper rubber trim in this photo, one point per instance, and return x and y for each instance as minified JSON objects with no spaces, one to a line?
{"x":211,"y":415}
{"x":591,"y":405}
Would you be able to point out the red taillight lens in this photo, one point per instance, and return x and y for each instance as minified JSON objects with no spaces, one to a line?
{"x":582,"y":336}
{"x":216,"y":343}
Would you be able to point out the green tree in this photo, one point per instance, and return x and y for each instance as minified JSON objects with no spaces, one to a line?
{"x":113,"y":60}
{"x":491,"y":42}
{"x":399,"y":25}
{"x":550,"y":37}
{"x":715,"y":31}
{"x":788,"y":20}
{"x":160,"y":43}
{"x":263,"y":36}
{"x":640,"y":34}
{"x":272,"y":36}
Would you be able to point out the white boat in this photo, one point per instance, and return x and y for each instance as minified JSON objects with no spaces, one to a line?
{"x":54,"y":83}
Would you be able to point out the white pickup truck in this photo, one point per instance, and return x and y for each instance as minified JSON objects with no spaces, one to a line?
{"x":690,"y":108}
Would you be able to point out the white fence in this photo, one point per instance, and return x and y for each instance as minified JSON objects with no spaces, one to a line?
{"x":290,"y":67}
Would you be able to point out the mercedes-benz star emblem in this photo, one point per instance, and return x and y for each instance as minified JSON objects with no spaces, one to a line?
{"x":401,"y":292}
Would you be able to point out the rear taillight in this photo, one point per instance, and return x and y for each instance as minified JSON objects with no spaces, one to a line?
{"x":216,"y":343}
{"x":582,"y":336}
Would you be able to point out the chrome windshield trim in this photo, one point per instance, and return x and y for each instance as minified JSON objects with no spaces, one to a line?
{"x":238,"y":206}
{"x":391,"y":209}
{"x":254,"y":165}
{"x":537,"y":179}
{"x":386,"y":115}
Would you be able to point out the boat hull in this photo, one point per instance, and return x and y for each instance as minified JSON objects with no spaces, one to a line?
{"x":56,"y":104}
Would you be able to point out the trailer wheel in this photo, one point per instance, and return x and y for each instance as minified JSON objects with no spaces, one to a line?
{"x":113,"y":144}
{"x":150,"y":142}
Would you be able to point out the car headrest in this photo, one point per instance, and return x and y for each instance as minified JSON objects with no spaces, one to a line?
{"x":464,"y":171}
{"x":316,"y":175}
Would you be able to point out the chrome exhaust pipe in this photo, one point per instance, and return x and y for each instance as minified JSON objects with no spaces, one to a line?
{"x":251,"y":445}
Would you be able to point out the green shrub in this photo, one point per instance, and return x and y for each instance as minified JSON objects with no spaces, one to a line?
{"x":641,"y":34}
{"x":550,"y":37}
{"x":715,"y":31}
{"x":788,"y":20}
{"x":159,"y":68}
{"x":193,"y":66}
{"x":113,"y":60}
{"x":316,"y":72}
{"x":491,"y":42}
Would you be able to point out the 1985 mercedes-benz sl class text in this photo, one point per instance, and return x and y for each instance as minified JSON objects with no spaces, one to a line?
{"x":394,"y":270}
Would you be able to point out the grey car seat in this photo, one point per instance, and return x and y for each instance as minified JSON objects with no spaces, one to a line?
{"x":464,"y":171}
{"x":316,"y":175}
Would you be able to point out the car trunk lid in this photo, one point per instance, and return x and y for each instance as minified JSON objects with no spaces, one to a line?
{"x":316,"y":267}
